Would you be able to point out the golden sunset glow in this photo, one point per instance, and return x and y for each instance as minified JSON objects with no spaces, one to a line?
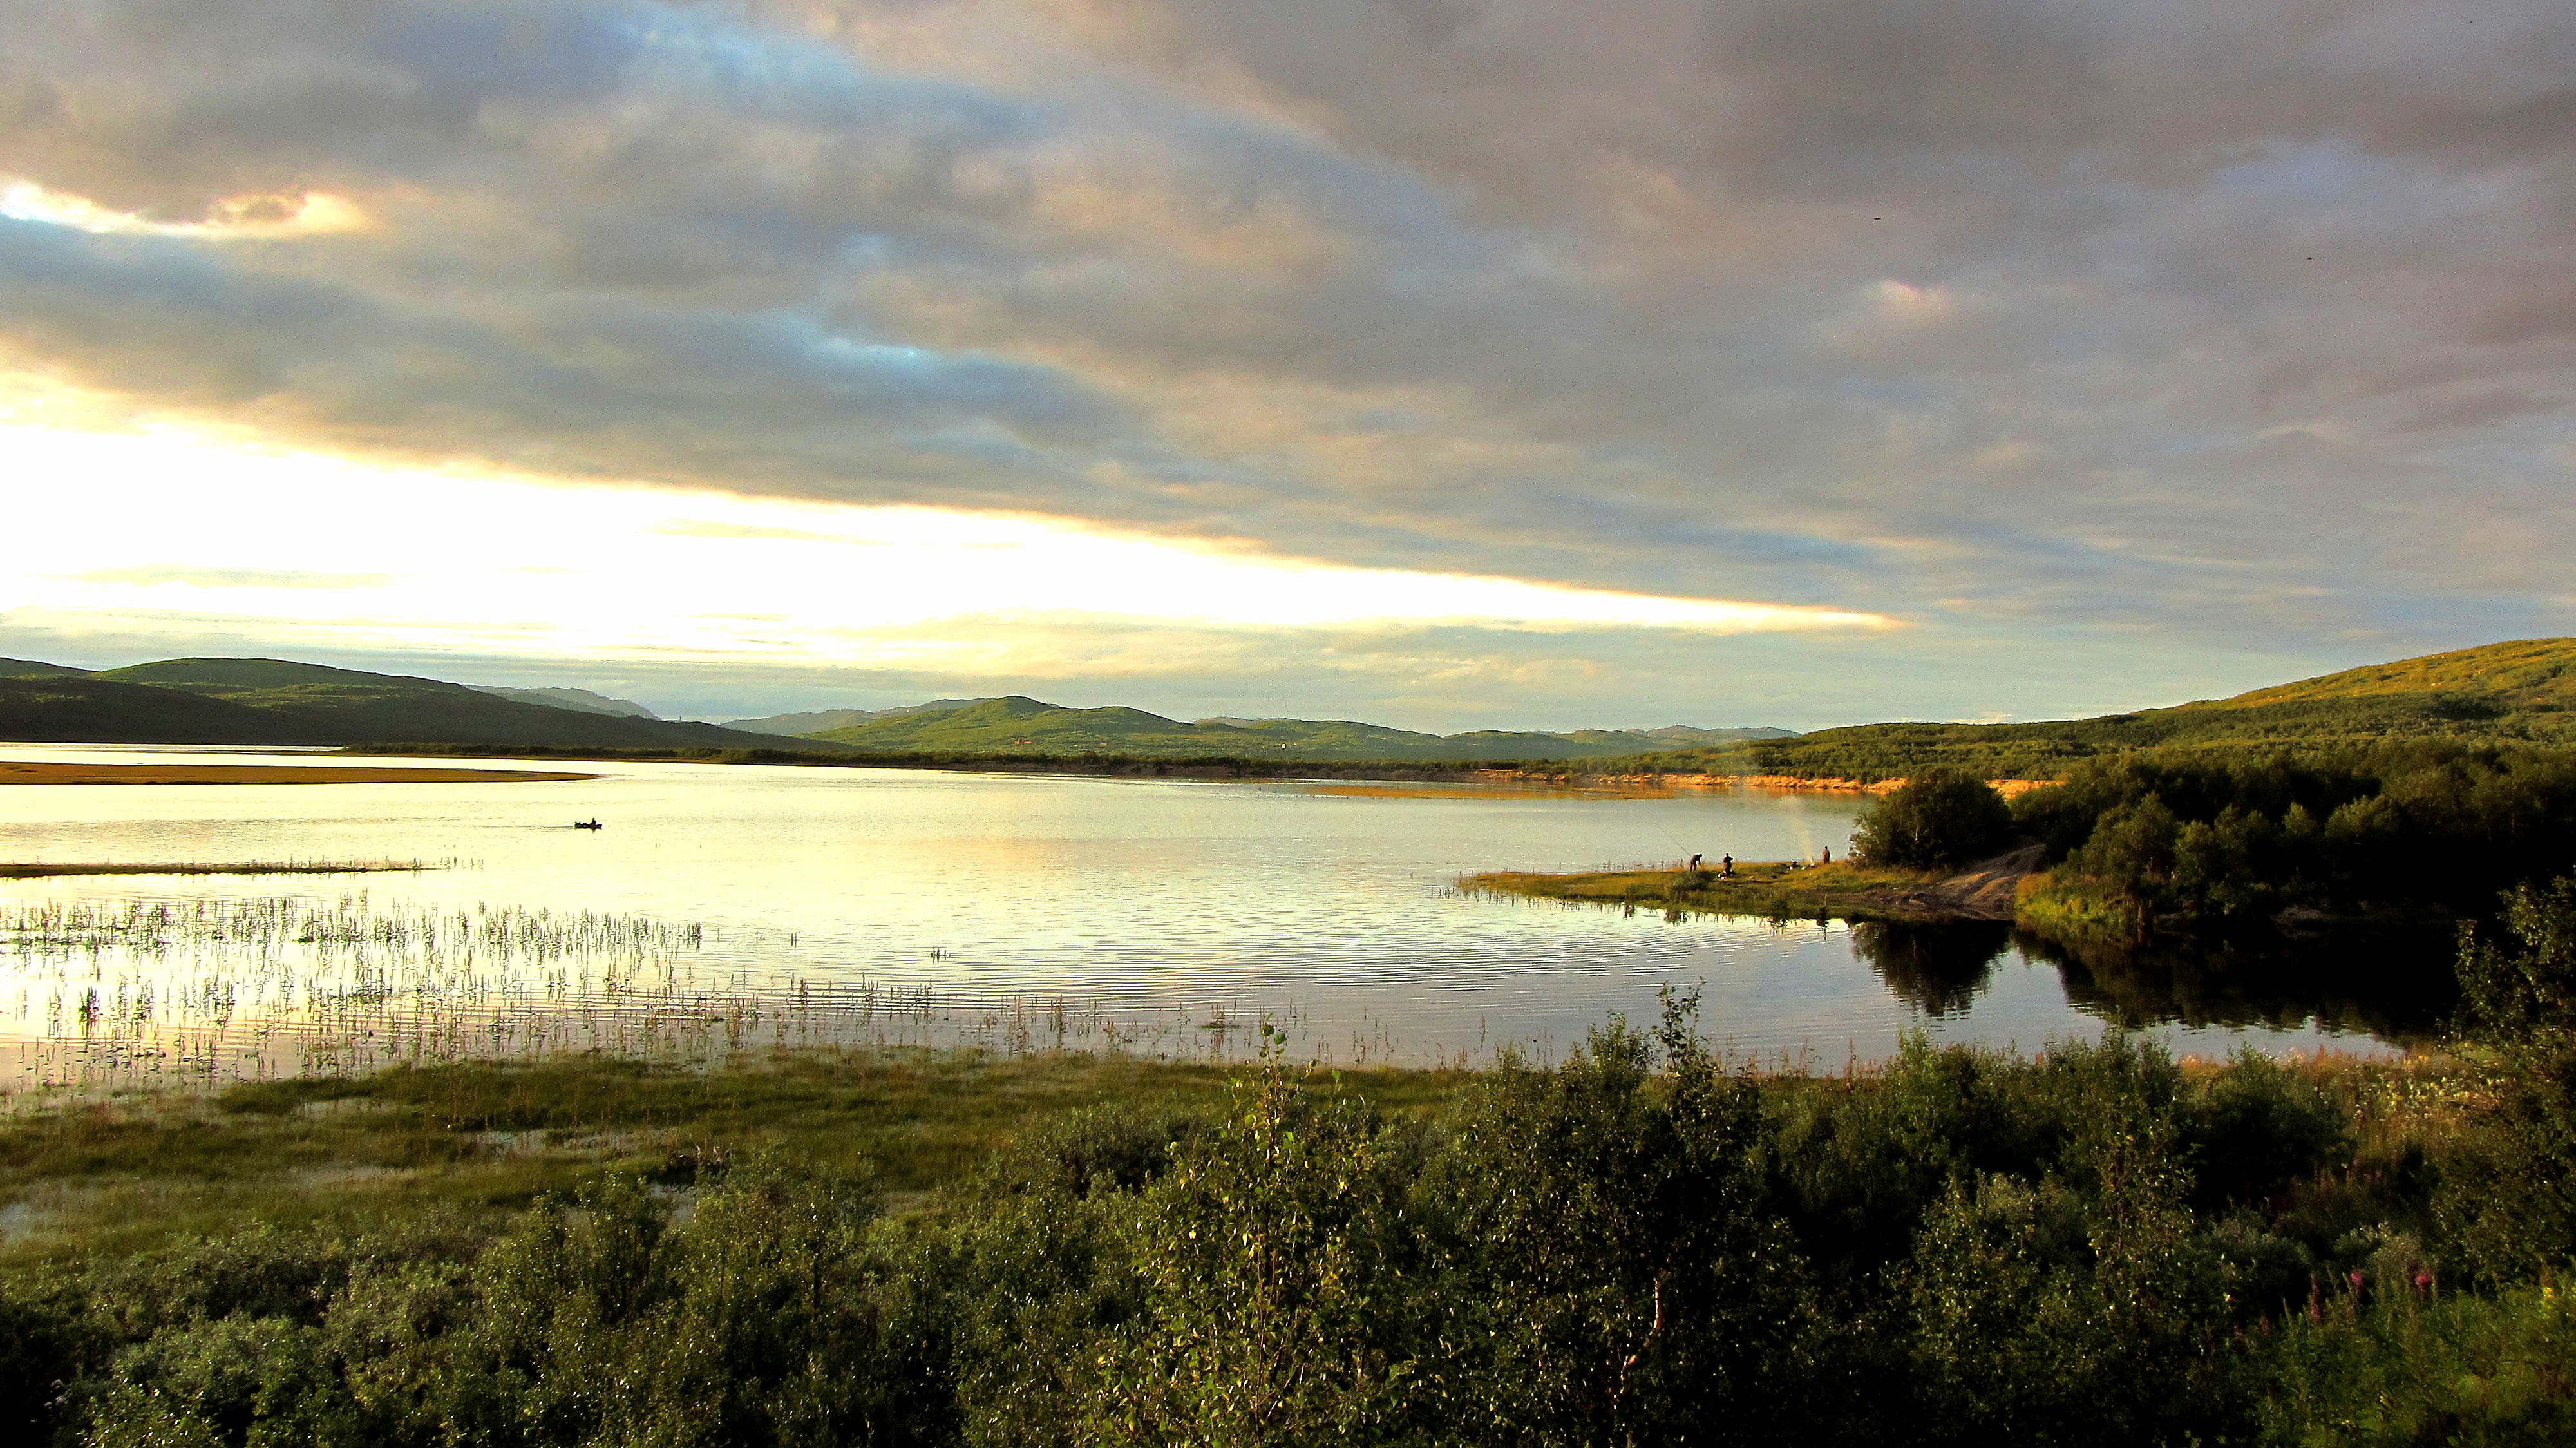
{"x":163,"y":530}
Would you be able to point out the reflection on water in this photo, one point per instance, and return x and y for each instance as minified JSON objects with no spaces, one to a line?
{"x":1162,"y":912}
{"x":1938,"y":969}
{"x":2392,"y":984}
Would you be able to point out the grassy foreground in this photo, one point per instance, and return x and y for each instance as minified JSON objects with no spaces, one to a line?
{"x":95,"y":1176}
{"x":2100,"y":1245}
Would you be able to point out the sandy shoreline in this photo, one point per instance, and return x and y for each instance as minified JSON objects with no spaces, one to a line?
{"x":56,"y":772}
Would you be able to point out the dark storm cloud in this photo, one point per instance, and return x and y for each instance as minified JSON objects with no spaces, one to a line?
{"x":2214,"y":319}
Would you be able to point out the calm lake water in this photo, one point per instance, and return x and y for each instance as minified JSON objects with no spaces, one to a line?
{"x":1005,"y":905}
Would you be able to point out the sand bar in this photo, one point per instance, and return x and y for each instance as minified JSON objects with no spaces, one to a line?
{"x":56,"y":772}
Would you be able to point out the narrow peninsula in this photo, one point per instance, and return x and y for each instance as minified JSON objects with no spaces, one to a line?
{"x":1789,"y":889}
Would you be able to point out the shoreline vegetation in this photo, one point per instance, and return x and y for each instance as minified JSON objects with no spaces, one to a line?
{"x":2169,"y":848}
{"x":35,"y":871}
{"x":2100,"y":1243}
{"x":70,"y":772}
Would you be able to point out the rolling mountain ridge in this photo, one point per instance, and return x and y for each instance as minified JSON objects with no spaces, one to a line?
{"x":580,"y":700}
{"x":1019,"y":724}
{"x":2522,"y":691}
{"x":279,"y":701}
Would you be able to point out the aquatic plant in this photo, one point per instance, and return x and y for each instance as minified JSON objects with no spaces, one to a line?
{"x":146,"y":989}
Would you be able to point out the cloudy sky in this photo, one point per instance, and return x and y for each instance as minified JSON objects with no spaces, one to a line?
{"x":1450,"y":363}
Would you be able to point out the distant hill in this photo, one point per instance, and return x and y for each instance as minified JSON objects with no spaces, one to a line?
{"x":1019,"y":724}
{"x":31,"y":669}
{"x":1620,"y":738}
{"x":2527,"y":676}
{"x":580,"y":700}
{"x":2523,"y":692}
{"x":279,"y":701}
{"x":818,"y":722}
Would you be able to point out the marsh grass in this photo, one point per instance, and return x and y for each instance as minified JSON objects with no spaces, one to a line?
{"x":84,"y":1175}
{"x":40,"y":870}
{"x":195,"y":994}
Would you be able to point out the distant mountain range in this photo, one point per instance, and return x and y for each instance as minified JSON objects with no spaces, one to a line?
{"x":816,"y":723}
{"x":277,"y":701}
{"x":2521,"y":691}
{"x":1019,"y":724}
{"x":582,"y":700}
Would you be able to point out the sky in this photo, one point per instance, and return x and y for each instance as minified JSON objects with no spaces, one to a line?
{"x":1444,"y":363}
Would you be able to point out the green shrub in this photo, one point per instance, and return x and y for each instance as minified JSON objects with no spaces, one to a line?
{"x":2260,"y":1128}
{"x":1272,"y":1255}
{"x":1940,"y":817}
{"x":1615,"y":1267}
{"x":2513,"y":1194}
{"x":2422,"y":1365}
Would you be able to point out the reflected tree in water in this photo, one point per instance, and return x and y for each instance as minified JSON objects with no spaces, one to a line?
{"x":2395,"y":983}
{"x":1937,"y":969}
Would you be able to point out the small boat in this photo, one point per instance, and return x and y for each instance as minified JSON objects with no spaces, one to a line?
{"x":585,"y":824}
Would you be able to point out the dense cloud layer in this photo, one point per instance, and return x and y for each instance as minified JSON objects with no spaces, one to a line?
{"x":2019,"y":318}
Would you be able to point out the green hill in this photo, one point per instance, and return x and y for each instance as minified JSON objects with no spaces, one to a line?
{"x":2525,"y":676}
{"x":278,"y":701}
{"x":31,"y":669}
{"x":1022,"y":725}
{"x":72,"y":709}
{"x":2518,"y":692}
{"x":822,"y":721}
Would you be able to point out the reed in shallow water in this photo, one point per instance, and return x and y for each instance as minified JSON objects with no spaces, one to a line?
{"x":121,"y":992}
